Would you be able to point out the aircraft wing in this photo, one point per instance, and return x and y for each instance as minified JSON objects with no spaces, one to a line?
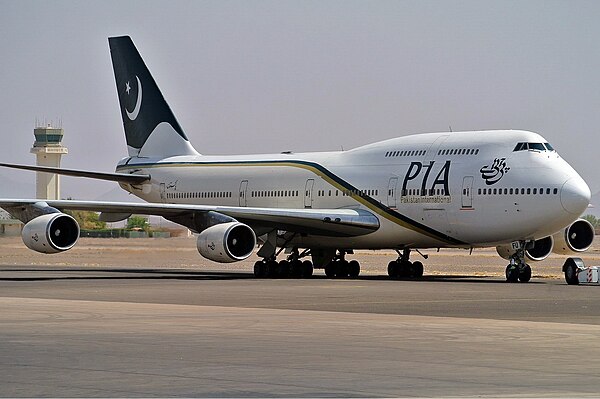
{"x":328,"y":222}
{"x":118,"y":177}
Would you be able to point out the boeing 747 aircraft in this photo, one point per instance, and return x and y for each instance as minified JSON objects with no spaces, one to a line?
{"x":507,"y":189}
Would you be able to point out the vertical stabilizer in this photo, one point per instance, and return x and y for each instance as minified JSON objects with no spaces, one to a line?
{"x":150,"y":127}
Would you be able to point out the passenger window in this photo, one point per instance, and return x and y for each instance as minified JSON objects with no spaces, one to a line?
{"x":535,"y":191}
{"x":528,"y":191}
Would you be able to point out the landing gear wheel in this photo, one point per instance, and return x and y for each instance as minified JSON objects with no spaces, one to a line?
{"x":272,"y":269}
{"x":393,"y":267}
{"x":512,"y":273}
{"x":405,"y":269}
{"x":353,"y":269}
{"x":417,"y":269}
{"x":330,"y":269}
{"x":571,"y":274}
{"x":341,"y":269}
{"x":295,"y":268}
{"x":284,"y":269}
{"x":525,"y":274}
{"x":307,"y":269}
{"x":259,"y":269}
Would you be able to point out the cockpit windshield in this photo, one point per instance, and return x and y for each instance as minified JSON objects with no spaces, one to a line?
{"x":533,"y":147}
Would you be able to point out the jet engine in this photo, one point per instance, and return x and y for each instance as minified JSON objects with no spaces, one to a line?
{"x":540,"y":250}
{"x":226,"y":242}
{"x":577,"y":237}
{"x":51,"y":233}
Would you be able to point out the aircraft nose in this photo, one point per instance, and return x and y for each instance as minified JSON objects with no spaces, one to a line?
{"x":575,"y":195}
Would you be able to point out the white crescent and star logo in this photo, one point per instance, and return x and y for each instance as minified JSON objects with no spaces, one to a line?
{"x":138,"y":103}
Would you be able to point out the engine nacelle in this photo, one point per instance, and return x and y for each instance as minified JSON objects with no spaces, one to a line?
{"x":577,"y":237}
{"x":226,"y":242}
{"x":540,"y":250}
{"x":51,"y":233}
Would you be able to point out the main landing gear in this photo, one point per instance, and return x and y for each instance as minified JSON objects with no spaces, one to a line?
{"x":341,"y":268}
{"x":517,"y":270}
{"x":292,"y":267}
{"x":403,"y":268}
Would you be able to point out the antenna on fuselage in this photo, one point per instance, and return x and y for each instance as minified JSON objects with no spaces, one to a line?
{"x":450,"y":127}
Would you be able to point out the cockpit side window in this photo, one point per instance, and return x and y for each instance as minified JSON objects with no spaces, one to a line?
{"x":520,"y":147}
{"x":549,"y":147}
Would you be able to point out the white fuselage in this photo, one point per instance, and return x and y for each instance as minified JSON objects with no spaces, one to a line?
{"x":464,"y":189}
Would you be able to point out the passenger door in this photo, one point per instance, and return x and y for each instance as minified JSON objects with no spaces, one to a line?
{"x":308,"y":196}
{"x":392,"y":195}
{"x":467,"y":192}
{"x":243,"y":190}
{"x":163,"y":195}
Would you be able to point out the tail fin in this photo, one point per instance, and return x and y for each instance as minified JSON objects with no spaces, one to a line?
{"x":151,"y":129}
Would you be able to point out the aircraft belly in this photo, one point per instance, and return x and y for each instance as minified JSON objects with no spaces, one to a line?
{"x":389,"y":236}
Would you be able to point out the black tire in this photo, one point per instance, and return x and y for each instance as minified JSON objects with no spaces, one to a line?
{"x":307,"y":269}
{"x":417,"y":268}
{"x":405,"y":270}
{"x":272,"y":269}
{"x":512,"y":273}
{"x":284,"y":269}
{"x":330,"y":269}
{"x":259,"y":270}
{"x":571,"y":274}
{"x":353,"y":269}
{"x":525,"y":274}
{"x":341,"y":269}
{"x":393,"y":268}
{"x":296,"y":269}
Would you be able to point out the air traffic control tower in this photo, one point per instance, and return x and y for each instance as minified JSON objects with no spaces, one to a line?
{"x":48,"y":150}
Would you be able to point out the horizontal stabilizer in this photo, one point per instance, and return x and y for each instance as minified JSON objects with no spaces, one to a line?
{"x":118,"y":177}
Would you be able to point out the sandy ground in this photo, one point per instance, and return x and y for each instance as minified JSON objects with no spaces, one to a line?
{"x":181,"y":253}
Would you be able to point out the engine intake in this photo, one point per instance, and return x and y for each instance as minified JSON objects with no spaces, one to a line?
{"x":51,"y":233}
{"x":577,"y":237}
{"x":226,"y":242}
{"x":540,"y":250}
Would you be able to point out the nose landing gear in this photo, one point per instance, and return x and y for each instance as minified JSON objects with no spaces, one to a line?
{"x":517,"y":270}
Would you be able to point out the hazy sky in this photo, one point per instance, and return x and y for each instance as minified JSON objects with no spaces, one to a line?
{"x":269,"y":76}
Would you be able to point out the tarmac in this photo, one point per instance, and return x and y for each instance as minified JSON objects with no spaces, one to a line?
{"x":135,"y":332}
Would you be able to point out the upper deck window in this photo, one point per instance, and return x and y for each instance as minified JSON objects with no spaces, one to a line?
{"x":533,"y":147}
